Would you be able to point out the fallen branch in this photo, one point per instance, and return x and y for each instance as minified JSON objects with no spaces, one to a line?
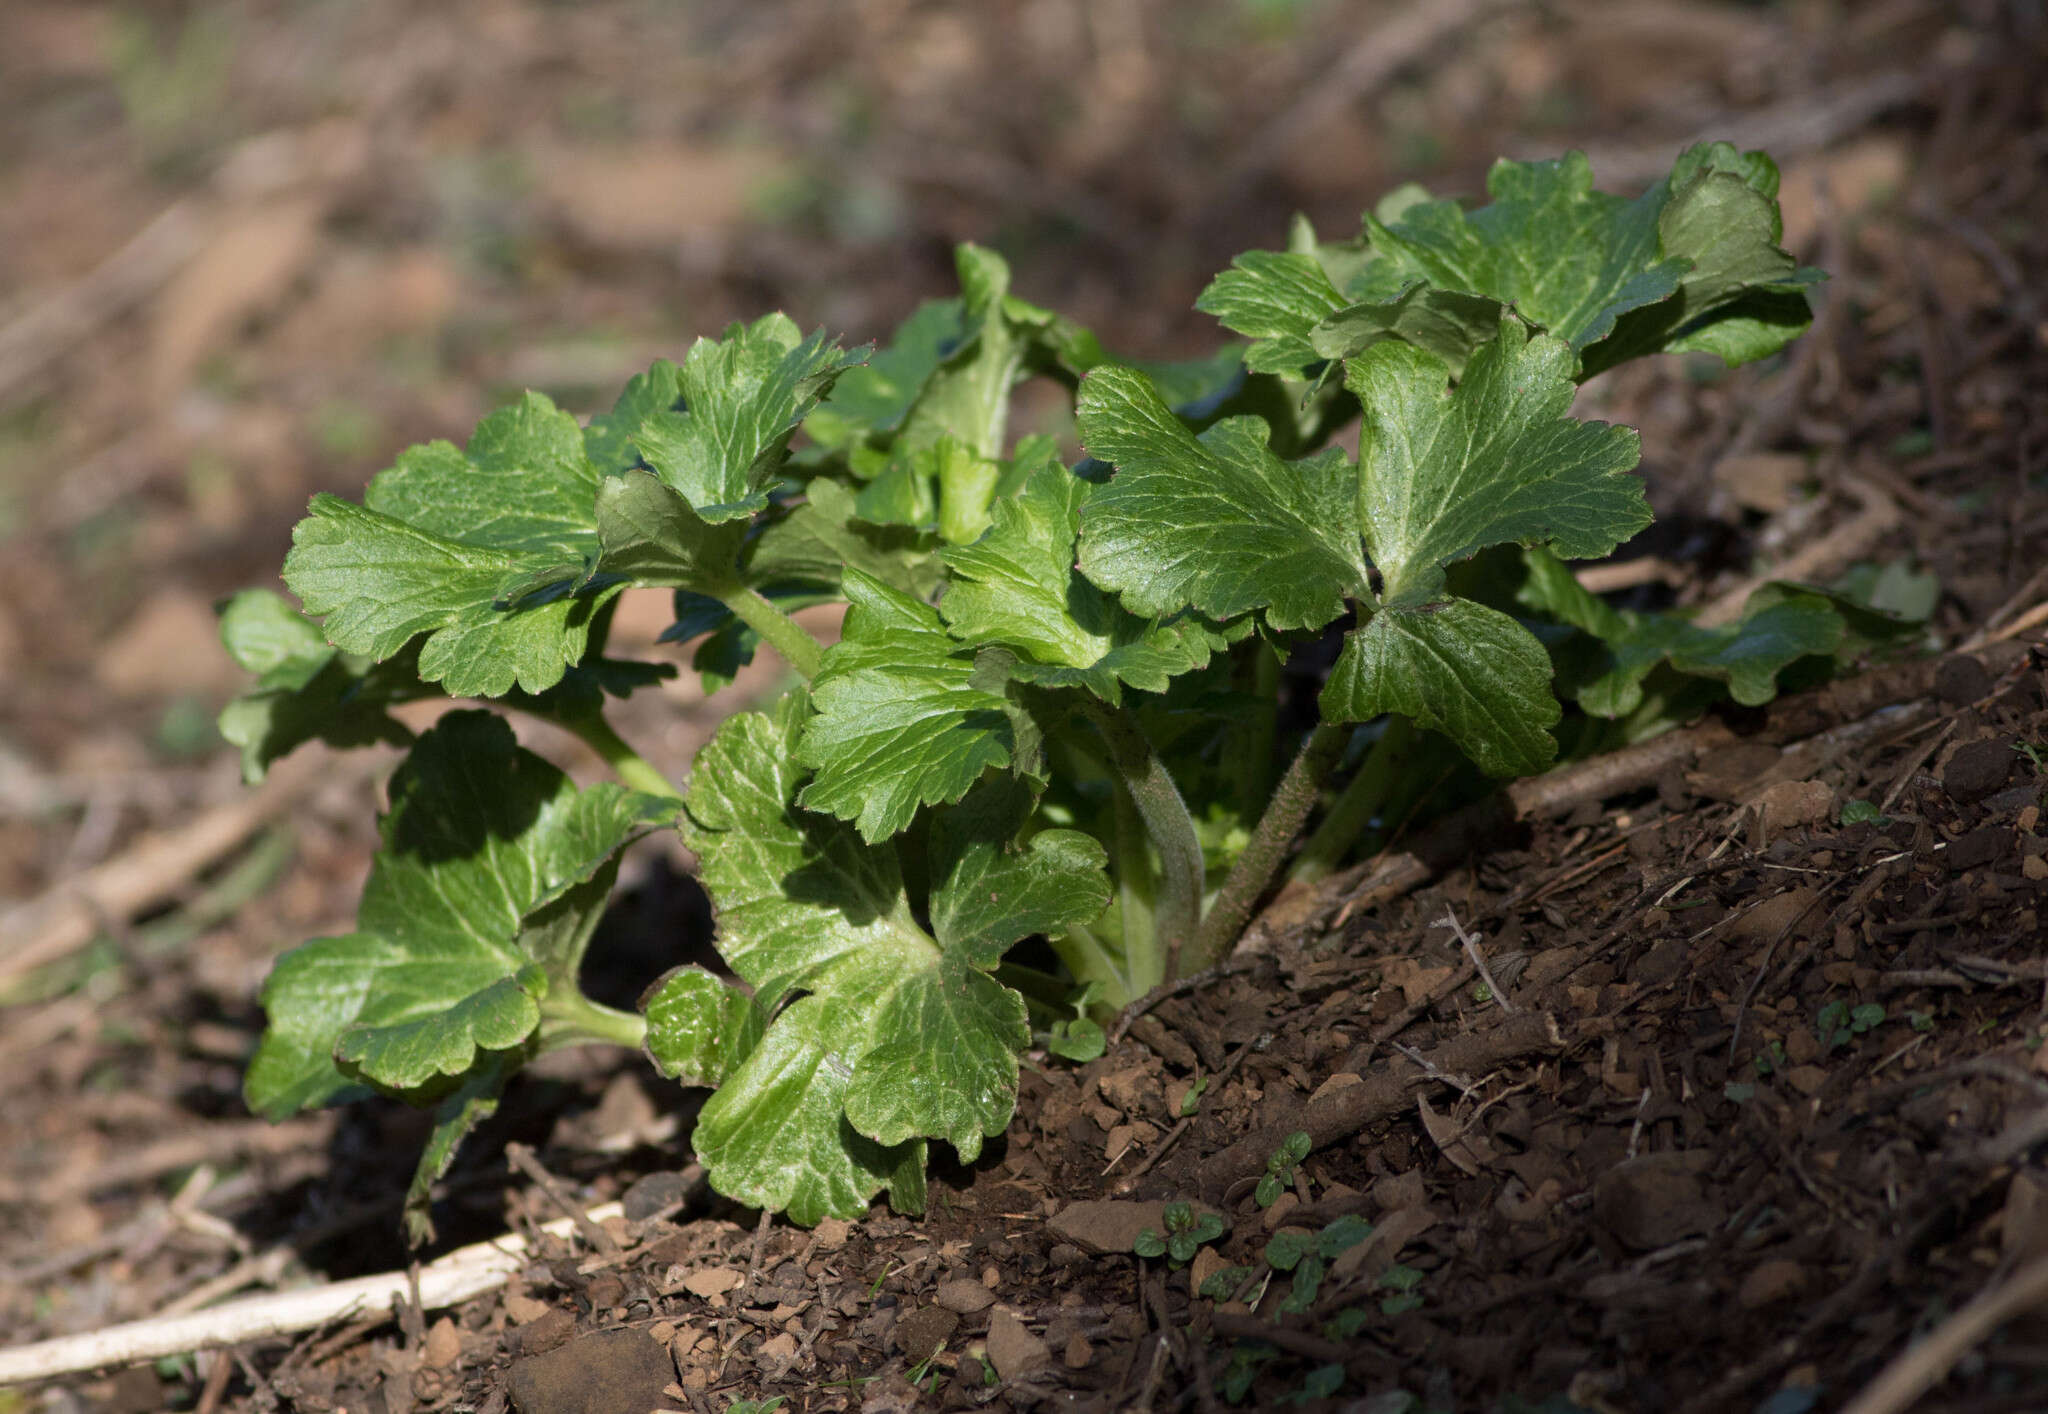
{"x":464,"y":1273}
{"x":1380,"y":54}
{"x":1792,"y":128}
{"x":1925,"y":1363}
{"x":1460,"y":835}
{"x":71,"y":912}
{"x":73,"y":314}
{"x":1343,"y":1112}
{"x":1814,"y":726}
{"x":1813,"y":563}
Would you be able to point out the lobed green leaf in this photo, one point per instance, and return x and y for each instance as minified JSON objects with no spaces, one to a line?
{"x":894,"y":1035}
{"x":742,"y":397}
{"x":1018,"y":586}
{"x":1456,"y":667}
{"x":493,"y":871}
{"x":442,"y":543}
{"x":905,"y":715}
{"x":1215,"y":523}
{"x":1445,"y":473}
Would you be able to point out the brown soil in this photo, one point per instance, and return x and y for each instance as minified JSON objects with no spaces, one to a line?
{"x":1755,"y":1098}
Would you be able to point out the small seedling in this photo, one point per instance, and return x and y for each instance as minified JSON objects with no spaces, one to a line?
{"x":1186,"y":1234}
{"x":1280,"y":1166}
{"x":1320,"y":1383}
{"x":1245,"y":1362}
{"x":1839,"y":1023}
{"x":924,"y":1375}
{"x":1862,"y":812}
{"x":1191,"y":1101}
{"x":1222,"y":1285}
{"x":1401,"y":1281}
{"x":1078,"y":1039}
{"x":1771,"y":1059}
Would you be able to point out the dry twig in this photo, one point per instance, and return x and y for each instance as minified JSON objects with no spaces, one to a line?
{"x":462,"y":1274}
{"x":1925,"y":1363}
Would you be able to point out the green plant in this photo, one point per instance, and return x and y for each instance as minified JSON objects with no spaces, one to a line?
{"x":1280,"y":1166}
{"x":1053,"y":707}
{"x":1771,"y":1059}
{"x":1401,"y":1281}
{"x":1839,"y":1023}
{"x":1186,"y":1233}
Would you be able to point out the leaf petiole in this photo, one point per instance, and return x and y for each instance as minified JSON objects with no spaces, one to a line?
{"x":779,"y":630}
{"x":632,"y":769}
{"x":1355,"y":806}
{"x":1177,"y":903}
{"x":568,"y":1018}
{"x":1276,"y":830}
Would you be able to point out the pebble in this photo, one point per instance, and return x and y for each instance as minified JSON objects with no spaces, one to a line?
{"x":1977,"y":769}
{"x":1013,"y":1349}
{"x":963,"y":1296}
{"x":920,"y":1333}
{"x":599,"y":1373}
{"x":1102,"y":1225}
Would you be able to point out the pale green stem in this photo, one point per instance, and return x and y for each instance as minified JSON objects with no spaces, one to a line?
{"x":1089,"y":959}
{"x":779,"y":630}
{"x":1352,"y":811}
{"x":1136,"y":888}
{"x":1177,"y":906}
{"x":627,"y":764}
{"x":1254,"y":762}
{"x":568,"y":1018}
{"x":1289,"y":810}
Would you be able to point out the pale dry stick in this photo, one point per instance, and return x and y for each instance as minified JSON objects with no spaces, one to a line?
{"x":1923,"y":1365}
{"x":1554,"y":793}
{"x":1382,"y":51}
{"x":462,"y":1274}
{"x":1471,"y":946}
{"x":1787,"y":130}
{"x":215,"y":1143}
{"x":1464,"y":1085}
{"x":1913,"y":765}
{"x":521,"y":1157}
{"x":72,"y":912}
{"x":2031,"y":619}
{"x":71,"y":315}
{"x":1608,"y":576}
{"x":1852,"y":538}
{"x":1996,"y":619}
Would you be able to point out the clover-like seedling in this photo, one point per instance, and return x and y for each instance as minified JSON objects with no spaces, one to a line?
{"x":1401,"y":1282}
{"x":1280,"y":1166}
{"x":1222,"y":1284}
{"x":1839,"y":1023}
{"x":1186,"y":1233}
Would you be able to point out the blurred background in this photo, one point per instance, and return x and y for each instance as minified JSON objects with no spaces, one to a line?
{"x":249,"y":250}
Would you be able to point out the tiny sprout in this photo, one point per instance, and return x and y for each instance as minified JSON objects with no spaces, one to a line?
{"x":1186,"y":1234}
{"x":1280,"y":1166}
